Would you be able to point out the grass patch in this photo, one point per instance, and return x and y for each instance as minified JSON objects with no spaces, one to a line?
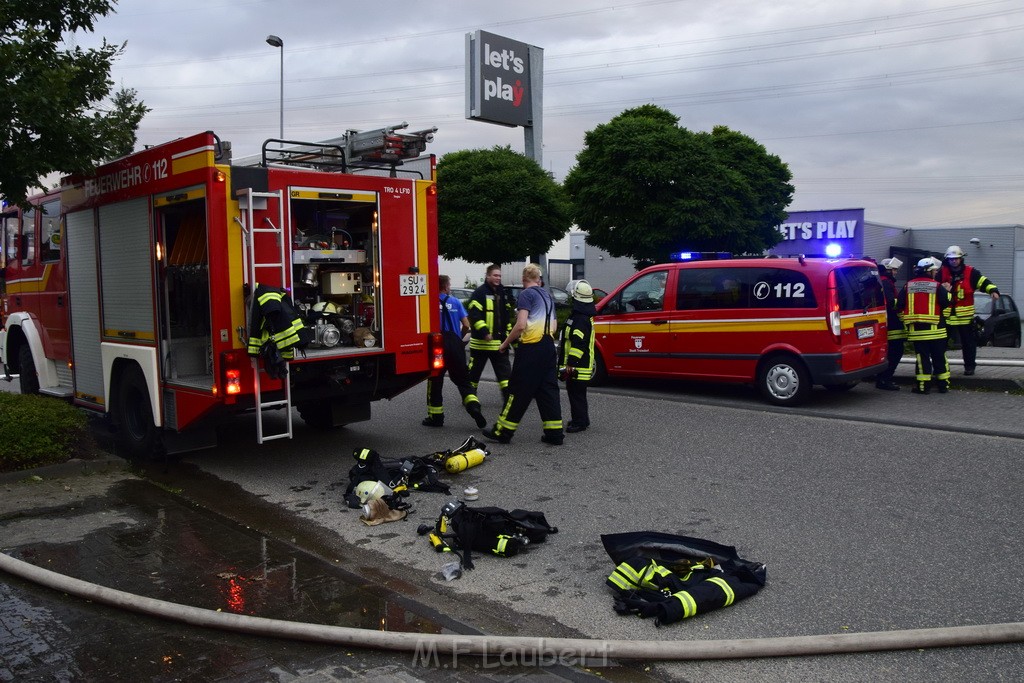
{"x":39,"y":430}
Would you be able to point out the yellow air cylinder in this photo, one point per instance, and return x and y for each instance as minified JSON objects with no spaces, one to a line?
{"x":463,"y":461}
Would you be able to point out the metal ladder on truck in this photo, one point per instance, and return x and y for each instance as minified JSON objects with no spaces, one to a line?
{"x":250,"y":202}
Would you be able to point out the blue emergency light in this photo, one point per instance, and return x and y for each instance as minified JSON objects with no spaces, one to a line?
{"x":699,"y":255}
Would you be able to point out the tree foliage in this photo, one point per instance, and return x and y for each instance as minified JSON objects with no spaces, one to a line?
{"x":58,"y":113}
{"x":644,"y":187}
{"x":497,"y":206}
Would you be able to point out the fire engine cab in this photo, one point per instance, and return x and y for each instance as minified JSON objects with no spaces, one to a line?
{"x":129,"y":291}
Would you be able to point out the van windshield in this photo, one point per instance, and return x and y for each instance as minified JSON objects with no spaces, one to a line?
{"x":859,"y":288}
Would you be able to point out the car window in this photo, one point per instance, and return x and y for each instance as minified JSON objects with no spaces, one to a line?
{"x":983,"y":304}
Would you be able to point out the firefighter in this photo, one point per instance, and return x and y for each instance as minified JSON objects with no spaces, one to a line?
{"x":897,"y":335}
{"x":535,"y":373}
{"x":923,"y":302}
{"x":490,"y":318}
{"x":962,"y":281}
{"x":454,"y":324}
{"x":578,"y":353}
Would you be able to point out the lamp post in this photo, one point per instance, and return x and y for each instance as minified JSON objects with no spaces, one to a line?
{"x":275,"y":41}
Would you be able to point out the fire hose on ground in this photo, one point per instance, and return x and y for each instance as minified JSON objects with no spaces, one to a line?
{"x":454,"y":644}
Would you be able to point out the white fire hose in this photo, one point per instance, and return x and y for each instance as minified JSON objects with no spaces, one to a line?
{"x":454,"y":644}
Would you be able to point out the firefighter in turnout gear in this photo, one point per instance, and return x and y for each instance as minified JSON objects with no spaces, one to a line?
{"x":962,"y":281}
{"x":577,"y":367}
{"x":490,"y":320}
{"x":535,"y":373}
{"x":922,"y":303}
{"x":275,"y":329}
{"x":897,"y":334}
{"x":454,"y":323}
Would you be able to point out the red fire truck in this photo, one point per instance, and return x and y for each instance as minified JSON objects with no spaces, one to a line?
{"x":128,"y":292}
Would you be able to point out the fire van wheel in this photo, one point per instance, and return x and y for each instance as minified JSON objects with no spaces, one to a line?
{"x":783,"y":380}
{"x":29,"y":378}
{"x":132,"y":414}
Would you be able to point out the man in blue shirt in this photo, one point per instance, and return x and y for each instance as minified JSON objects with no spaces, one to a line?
{"x":535,"y":370}
{"x":454,"y":325}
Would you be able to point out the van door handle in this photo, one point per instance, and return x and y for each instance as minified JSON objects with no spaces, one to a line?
{"x":60,"y":300}
{"x":659,"y":322}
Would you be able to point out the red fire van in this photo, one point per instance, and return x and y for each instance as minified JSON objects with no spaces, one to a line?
{"x":778,"y":323}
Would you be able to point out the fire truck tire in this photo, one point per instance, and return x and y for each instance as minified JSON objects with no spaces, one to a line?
{"x":29,"y":378}
{"x":133,"y":415}
{"x":316,"y":414}
{"x":783,"y":380}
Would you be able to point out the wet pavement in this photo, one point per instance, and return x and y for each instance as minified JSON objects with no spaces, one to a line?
{"x":100,"y":523}
{"x":113,"y":529}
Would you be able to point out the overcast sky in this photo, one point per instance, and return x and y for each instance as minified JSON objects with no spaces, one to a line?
{"x":910,"y":110}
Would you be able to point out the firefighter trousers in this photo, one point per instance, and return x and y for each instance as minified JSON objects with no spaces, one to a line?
{"x":931,"y":363}
{"x":499,"y":361}
{"x":968,"y":337}
{"x":534,"y":376}
{"x":455,"y":367}
{"x":579,"y":413}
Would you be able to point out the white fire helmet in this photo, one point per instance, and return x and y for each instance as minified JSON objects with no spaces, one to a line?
{"x":927,"y":264}
{"x":892,"y":263}
{"x":954,"y":252}
{"x":581,"y":291}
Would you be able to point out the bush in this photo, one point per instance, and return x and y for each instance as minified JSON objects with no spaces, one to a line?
{"x":38,"y":430}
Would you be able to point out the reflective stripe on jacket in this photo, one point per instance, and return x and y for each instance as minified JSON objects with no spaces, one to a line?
{"x":488,"y":313}
{"x":964,"y":284}
{"x":921,"y":303}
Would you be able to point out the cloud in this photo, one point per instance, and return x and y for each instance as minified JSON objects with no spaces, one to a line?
{"x":911,"y":111}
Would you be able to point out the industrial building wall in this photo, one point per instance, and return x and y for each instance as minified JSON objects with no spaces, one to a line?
{"x":995,"y":254}
{"x":605,"y":271}
{"x":879,"y":238}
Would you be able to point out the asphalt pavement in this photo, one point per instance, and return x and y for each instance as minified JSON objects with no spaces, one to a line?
{"x":177,"y":539}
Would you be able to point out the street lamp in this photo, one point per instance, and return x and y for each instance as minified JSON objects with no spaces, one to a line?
{"x":275,"y":41}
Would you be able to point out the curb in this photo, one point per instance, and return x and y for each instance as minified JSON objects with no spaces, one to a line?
{"x":71,"y":468}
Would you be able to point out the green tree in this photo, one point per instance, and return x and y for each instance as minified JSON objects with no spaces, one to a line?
{"x":643,"y":187}
{"x":496,"y":205}
{"x":57,"y":112}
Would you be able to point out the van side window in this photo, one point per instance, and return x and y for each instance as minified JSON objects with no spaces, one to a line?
{"x":51,"y":233}
{"x":646,"y":293}
{"x":700,"y":288}
{"x":704,"y":288}
{"x":780,"y":288}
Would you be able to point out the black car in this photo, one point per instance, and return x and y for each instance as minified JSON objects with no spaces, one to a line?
{"x":997,"y":320}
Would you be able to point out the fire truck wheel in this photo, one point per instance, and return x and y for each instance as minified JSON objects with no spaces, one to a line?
{"x":133,"y":415}
{"x":29,"y":378}
{"x":783,"y":380}
{"x":316,"y":414}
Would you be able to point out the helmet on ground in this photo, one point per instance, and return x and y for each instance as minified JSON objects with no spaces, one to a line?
{"x":581,"y":291}
{"x":371,"y":490}
{"x":892,"y":263}
{"x":954,"y":252}
{"x":927,"y":264}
